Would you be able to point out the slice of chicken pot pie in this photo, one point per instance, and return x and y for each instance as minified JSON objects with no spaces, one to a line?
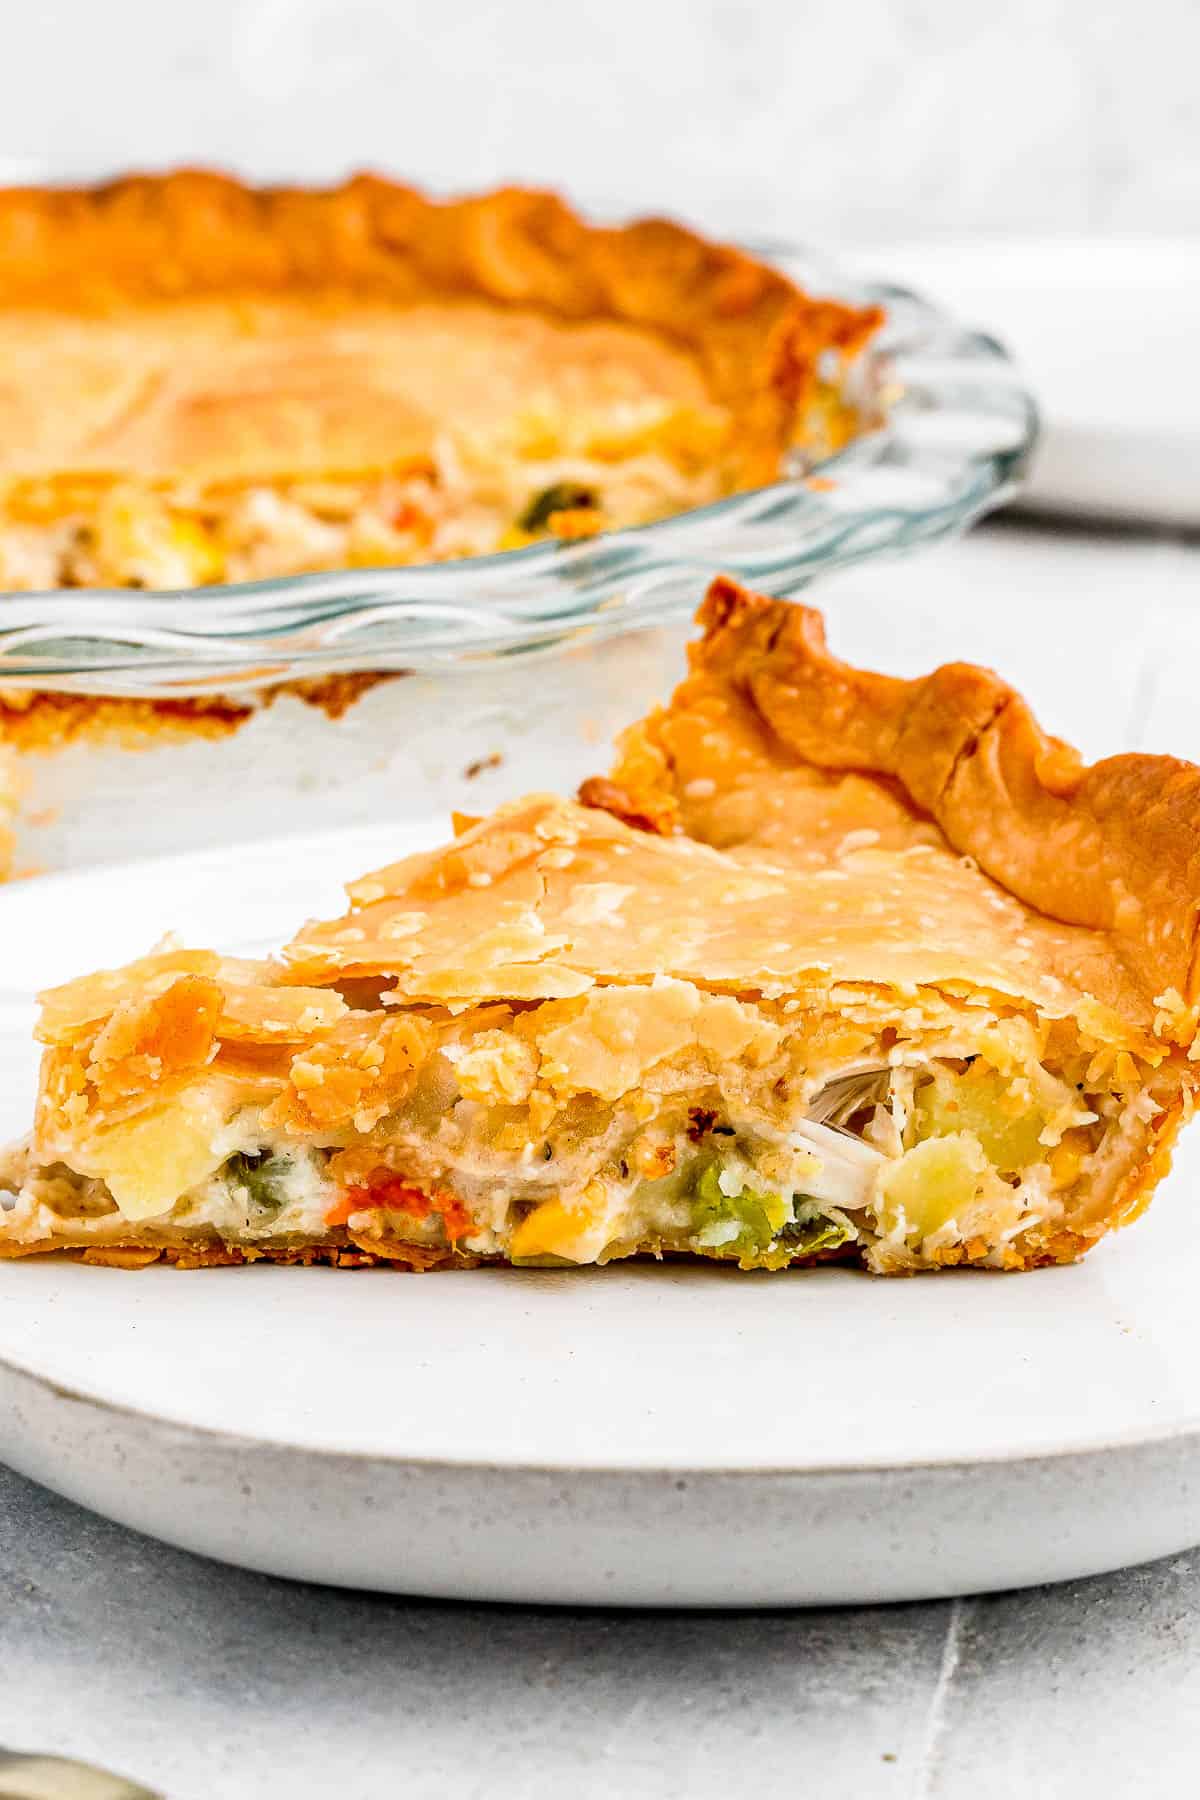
{"x":868,"y":969}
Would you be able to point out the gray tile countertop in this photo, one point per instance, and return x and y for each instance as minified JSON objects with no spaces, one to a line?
{"x":208,"y":1683}
{"x":213,"y":1684}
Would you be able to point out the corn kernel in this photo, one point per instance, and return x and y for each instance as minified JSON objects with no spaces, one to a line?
{"x":1066,"y":1161}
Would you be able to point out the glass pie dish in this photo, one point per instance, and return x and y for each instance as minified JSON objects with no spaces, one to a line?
{"x":953,"y":430}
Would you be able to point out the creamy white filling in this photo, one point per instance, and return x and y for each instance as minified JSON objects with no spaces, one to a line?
{"x":143,"y":539}
{"x":793,"y":1175}
{"x":229,"y":1206}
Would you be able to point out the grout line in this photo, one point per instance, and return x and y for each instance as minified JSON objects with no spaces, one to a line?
{"x":935,"y":1719}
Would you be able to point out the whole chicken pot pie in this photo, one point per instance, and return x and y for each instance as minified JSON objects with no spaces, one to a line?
{"x":202,"y":382}
{"x":832,"y":966}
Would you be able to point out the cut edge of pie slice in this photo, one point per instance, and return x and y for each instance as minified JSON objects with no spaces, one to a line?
{"x":868,"y":970}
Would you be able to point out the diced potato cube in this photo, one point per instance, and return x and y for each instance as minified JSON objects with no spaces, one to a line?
{"x":983,"y":1103}
{"x":938,"y":1181}
{"x":150,"y":1161}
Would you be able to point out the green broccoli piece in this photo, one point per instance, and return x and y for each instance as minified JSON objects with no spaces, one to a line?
{"x":758,"y":1217}
{"x":561,"y":496}
{"x":813,"y":1230}
{"x":264,"y":1176}
{"x":769,"y":1234}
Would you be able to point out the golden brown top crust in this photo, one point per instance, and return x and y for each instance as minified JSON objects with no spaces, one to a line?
{"x":550,"y":902}
{"x":771,"y":745}
{"x":190,"y":327}
{"x":546,"y":899}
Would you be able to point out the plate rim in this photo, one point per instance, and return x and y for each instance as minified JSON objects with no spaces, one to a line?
{"x":1179,"y":1435}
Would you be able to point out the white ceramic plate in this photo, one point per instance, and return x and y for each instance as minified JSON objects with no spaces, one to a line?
{"x":1106,"y":334}
{"x":632,"y":1435}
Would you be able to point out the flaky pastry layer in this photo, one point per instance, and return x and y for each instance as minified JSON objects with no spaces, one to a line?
{"x":772,"y":748}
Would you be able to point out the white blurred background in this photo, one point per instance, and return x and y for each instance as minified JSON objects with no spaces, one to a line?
{"x":869,"y":121}
{"x":1033,"y":164}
